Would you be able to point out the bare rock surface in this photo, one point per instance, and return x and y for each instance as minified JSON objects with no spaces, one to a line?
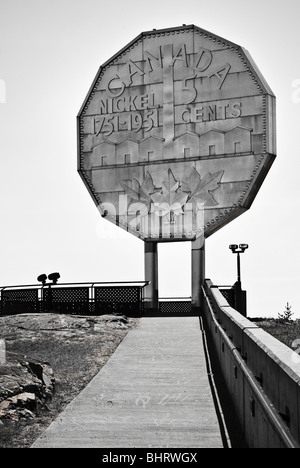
{"x":25,"y":386}
{"x":50,"y":358}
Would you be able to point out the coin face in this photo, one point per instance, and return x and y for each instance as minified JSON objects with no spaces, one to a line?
{"x":176,"y":134}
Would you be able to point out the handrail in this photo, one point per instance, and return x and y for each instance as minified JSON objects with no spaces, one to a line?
{"x":91,"y":283}
{"x":267,"y":407}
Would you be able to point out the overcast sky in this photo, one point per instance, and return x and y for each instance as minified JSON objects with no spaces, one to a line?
{"x":50,"y":52}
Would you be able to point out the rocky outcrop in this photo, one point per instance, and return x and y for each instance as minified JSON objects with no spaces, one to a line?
{"x":25,"y":387}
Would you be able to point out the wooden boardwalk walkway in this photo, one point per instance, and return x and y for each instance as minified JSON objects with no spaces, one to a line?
{"x":154,"y":392}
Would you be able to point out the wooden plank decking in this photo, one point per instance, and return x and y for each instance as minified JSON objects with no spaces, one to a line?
{"x":153,"y":392}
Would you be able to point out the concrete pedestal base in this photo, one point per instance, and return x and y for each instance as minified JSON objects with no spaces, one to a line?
{"x":151,"y":303}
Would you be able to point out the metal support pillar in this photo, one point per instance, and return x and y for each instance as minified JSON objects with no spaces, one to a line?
{"x":198,"y":273}
{"x":151,"y":275}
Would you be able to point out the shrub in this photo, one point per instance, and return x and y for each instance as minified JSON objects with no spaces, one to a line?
{"x":286,"y":316}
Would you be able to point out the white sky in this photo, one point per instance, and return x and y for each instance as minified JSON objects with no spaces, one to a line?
{"x":50,"y":52}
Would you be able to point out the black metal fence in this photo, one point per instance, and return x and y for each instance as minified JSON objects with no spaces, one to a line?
{"x":175,"y":306}
{"x":236,"y":297}
{"x":92,"y":299}
{"x":74,"y":299}
{"x":229,"y":295}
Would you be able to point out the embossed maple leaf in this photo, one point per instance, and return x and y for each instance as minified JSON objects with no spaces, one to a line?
{"x":140,"y":192}
{"x":202,"y":188}
{"x":170,"y":200}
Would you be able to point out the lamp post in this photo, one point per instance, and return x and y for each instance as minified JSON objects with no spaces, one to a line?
{"x":54,"y":277}
{"x":240,"y":296}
